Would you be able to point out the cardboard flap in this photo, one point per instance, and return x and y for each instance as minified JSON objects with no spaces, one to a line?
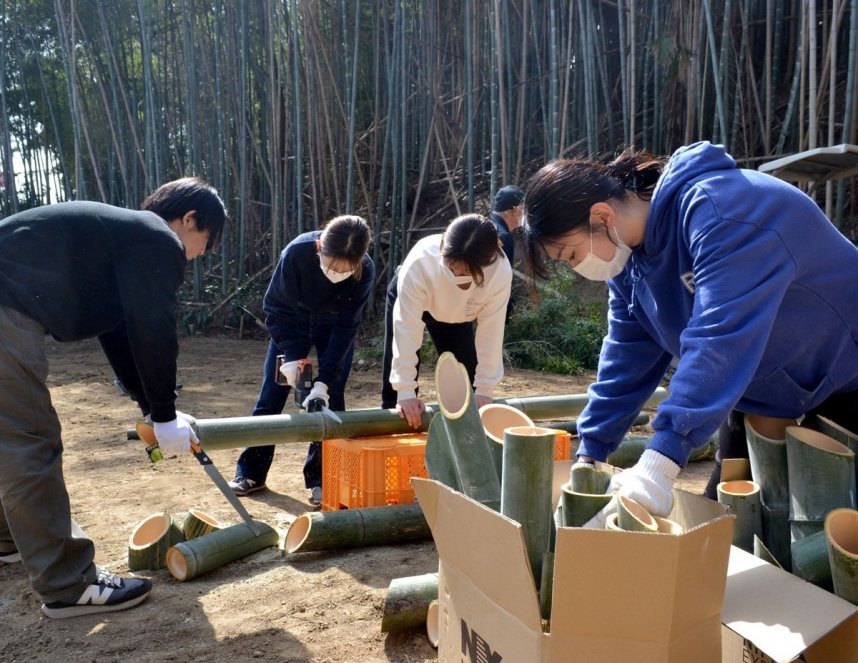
{"x":483,"y":545}
{"x":770,"y":607}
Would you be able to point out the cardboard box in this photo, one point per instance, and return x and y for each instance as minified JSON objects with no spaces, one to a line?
{"x":771,"y":616}
{"x":618,"y":596}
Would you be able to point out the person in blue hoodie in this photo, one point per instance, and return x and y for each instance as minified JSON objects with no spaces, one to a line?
{"x":316,"y":298}
{"x":734,"y":274}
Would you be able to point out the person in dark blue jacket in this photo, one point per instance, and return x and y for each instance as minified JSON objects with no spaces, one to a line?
{"x":316,"y":298}
{"x":737,"y":275}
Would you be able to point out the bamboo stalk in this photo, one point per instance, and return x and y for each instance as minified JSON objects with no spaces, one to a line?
{"x":528,"y":455}
{"x":837,"y":432}
{"x":821,"y":478}
{"x":496,"y":418}
{"x":743,"y":498}
{"x":355,"y":528}
{"x":190,"y":559}
{"x":407,"y":602}
{"x":465,"y":434}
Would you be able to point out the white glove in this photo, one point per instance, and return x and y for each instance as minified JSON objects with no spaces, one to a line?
{"x":174,"y":437}
{"x":319,"y":390}
{"x":187,"y":417}
{"x":289,"y":370}
{"x":649,"y":483}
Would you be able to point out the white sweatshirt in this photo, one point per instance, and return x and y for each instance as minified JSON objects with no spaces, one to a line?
{"x":426,"y":284}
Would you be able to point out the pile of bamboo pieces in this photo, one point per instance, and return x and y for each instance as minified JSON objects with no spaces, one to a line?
{"x":798,"y":511}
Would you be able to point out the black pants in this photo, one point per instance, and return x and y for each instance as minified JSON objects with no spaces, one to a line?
{"x":842,"y":409}
{"x":455,"y":337}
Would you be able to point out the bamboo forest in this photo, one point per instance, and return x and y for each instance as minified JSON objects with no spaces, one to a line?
{"x":407,"y":112}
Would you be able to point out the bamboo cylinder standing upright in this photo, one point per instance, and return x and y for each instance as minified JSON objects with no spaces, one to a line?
{"x":767,"y":453}
{"x":841,"y":532}
{"x":821,"y":478}
{"x":528,"y":456}
{"x":847,"y":437}
{"x":743,"y":498}
{"x":465,"y":434}
{"x":496,"y":418}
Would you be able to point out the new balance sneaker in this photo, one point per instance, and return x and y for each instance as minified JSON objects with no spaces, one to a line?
{"x":242,"y":486}
{"x":109,"y":593}
{"x":9,"y":557}
{"x":316,"y":495}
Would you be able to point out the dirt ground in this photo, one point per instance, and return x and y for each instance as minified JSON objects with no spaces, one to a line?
{"x":321,"y":607}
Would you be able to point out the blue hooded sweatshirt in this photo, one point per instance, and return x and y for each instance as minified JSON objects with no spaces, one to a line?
{"x":744,"y":281}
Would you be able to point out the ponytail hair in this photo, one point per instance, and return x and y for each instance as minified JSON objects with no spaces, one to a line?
{"x":346,"y":240}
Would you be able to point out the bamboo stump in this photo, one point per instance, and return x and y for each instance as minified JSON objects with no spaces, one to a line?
{"x":150,"y":540}
{"x":821,"y":478}
{"x":407,"y":602}
{"x":743,"y":498}
{"x":583,"y":496}
{"x":841,"y":533}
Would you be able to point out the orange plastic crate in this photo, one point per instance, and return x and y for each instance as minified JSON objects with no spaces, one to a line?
{"x":371,"y":471}
{"x":562,"y":442}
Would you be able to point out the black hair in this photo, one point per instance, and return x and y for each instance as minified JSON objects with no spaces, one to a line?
{"x":473,"y":240}
{"x":559,"y":196}
{"x":346,"y":239}
{"x":174,"y":199}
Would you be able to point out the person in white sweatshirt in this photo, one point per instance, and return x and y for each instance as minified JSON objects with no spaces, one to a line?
{"x":456,"y":286}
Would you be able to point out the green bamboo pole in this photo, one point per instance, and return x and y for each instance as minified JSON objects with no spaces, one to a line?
{"x":407,"y":602}
{"x":743,"y":498}
{"x":150,"y":540}
{"x":821,"y":478}
{"x":355,"y":528}
{"x":841,"y":533}
{"x":632,"y":517}
{"x":528,"y":458}
{"x":240,"y":432}
{"x":810,"y":560}
{"x":467,"y":438}
{"x":190,"y":559}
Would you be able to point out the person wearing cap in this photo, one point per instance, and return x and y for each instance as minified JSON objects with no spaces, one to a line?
{"x":506,"y":217}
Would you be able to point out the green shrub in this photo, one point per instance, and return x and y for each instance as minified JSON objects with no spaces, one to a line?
{"x":563,"y":332}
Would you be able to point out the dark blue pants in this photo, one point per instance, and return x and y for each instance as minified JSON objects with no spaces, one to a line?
{"x":455,"y":337}
{"x":255,"y":462}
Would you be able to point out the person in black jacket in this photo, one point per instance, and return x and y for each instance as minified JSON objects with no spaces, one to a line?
{"x":77,"y":270}
{"x":316,"y":298}
{"x":507,"y":214}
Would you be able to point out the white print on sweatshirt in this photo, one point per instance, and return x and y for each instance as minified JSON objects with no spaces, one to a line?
{"x":424,"y":286}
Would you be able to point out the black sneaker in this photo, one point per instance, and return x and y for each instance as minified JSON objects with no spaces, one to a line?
{"x":9,"y":557}
{"x":108,"y":593}
{"x":242,"y":486}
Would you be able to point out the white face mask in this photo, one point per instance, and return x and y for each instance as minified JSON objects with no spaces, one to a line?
{"x":467,"y":279}
{"x":334,"y":277}
{"x":594,"y":268}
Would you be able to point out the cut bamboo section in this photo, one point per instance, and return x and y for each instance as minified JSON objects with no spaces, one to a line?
{"x":578,"y":508}
{"x":433,"y":631}
{"x":438,"y":457}
{"x":355,"y":528}
{"x":198,"y":523}
{"x":832,"y":429}
{"x":743,"y":498}
{"x":766,"y":438}
{"x":587,"y":479}
{"x":667,"y":526}
{"x":632,"y":517}
{"x":528,"y":460}
{"x":821,"y":478}
{"x":810,"y":560}
{"x":497,"y":417}
{"x":841,"y":533}
{"x":190,"y":559}
{"x":465,"y":433}
{"x":150,"y":540}
{"x":407,"y":602}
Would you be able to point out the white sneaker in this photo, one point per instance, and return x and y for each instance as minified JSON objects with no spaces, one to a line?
{"x":316,"y":495}
{"x":10,"y":557}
